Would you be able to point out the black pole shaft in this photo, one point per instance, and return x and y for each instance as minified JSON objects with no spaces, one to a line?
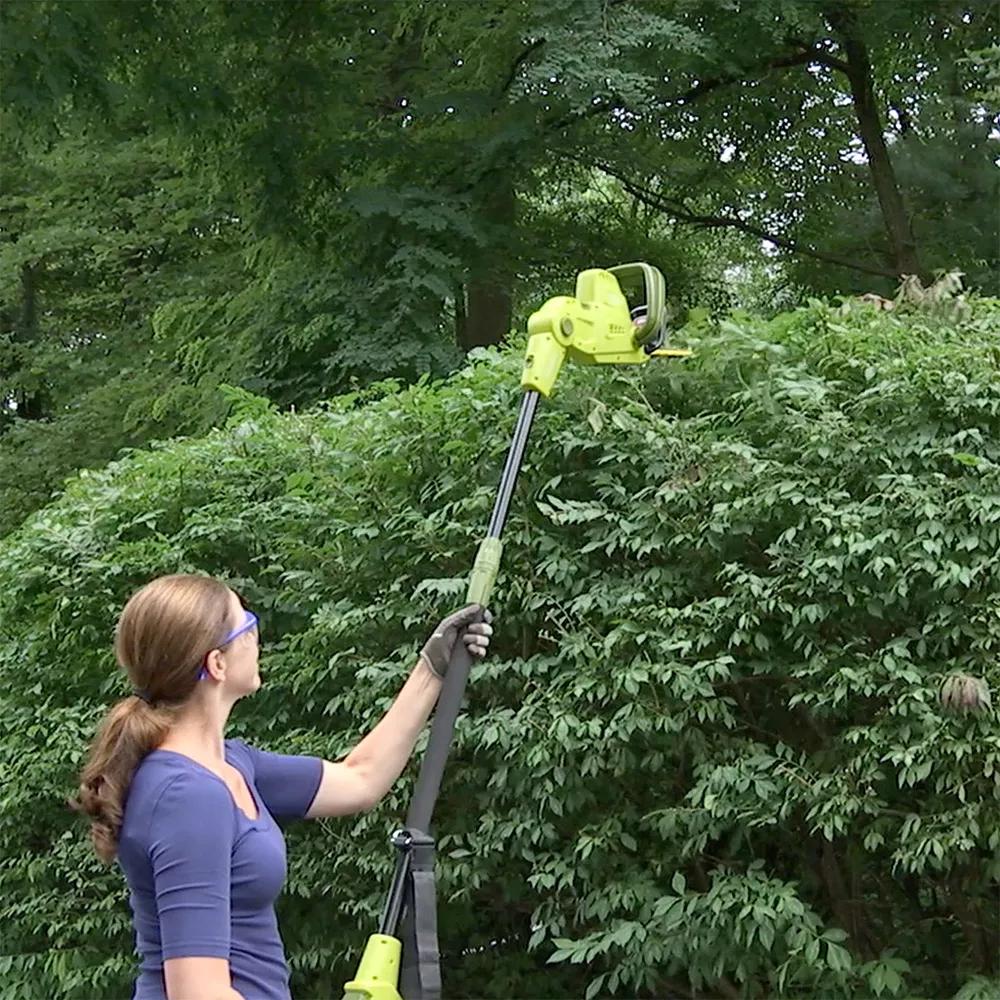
{"x":421,"y":810}
{"x":393,"y":908}
{"x":450,"y":700}
{"x":515,"y":456}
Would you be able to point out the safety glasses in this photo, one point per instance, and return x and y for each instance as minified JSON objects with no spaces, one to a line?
{"x":250,"y":621}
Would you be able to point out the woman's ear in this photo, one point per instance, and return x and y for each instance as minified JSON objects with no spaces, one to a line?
{"x":215,"y":665}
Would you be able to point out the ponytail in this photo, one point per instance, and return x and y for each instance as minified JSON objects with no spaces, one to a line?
{"x":130,"y":730}
{"x":163,"y":634}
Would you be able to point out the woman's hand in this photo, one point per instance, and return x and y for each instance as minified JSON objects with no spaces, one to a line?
{"x":472,"y":623}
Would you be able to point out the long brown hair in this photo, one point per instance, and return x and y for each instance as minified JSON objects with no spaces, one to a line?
{"x":163,"y":634}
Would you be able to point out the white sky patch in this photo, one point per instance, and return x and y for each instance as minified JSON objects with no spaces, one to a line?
{"x":855,"y":152}
{"x":728,"y":152}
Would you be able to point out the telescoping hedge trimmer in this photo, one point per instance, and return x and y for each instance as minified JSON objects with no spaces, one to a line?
{"x":618,"y":317}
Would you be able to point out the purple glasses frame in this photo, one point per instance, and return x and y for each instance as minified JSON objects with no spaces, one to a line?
{"x":249,"y":622}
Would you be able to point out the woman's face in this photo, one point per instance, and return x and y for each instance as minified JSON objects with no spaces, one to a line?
{"x":242,"y":655}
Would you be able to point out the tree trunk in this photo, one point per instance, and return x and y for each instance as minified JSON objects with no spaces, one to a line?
{"x":29,"y":310}
{"x":487,"y":311}
{"x":28,"y":402}
{"x":859,"y":74}
{"x":487,"y":319}
{"x":460,"y":318}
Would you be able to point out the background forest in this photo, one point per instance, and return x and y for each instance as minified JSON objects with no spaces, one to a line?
{"x":263,"y":268}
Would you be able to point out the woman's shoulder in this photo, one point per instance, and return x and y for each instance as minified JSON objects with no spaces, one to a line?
{"x":168,"y":781}
{"x":173,"y":802}
{"x":242,"y":756}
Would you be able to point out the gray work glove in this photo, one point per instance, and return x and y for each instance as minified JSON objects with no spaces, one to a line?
{"x":475,"y":634}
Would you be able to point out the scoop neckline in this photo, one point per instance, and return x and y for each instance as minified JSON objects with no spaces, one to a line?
{"x":257,"y":823}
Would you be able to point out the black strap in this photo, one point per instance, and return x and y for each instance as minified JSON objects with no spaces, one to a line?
{"x":420,"y":970}
{"x":420,"y":973}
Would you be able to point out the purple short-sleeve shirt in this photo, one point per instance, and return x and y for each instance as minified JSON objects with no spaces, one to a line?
{"x":202,"y":876}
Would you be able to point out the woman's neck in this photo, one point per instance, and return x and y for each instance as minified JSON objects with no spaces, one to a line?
{"x":199,"y":732}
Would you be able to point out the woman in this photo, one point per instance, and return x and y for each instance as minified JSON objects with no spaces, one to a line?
{"x":190,"y":814}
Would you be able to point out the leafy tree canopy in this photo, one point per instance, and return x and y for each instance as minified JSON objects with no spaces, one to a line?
{"x":301,"y":198}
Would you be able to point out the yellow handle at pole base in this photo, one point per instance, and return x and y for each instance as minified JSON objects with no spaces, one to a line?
{"x":377,"y":977}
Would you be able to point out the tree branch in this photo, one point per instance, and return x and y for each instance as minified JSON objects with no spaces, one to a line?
{"x":802,"y":58}
{"x":972,"y":930}
{"x":671,"y":207}
{"x":809,"y":54}
{"x":675,"y":989}
{"x":727,"y":988}
{"x":898,"y":224}
{"x":603,"y":106}
{"x":519,"y":62}
{"x":822,"y":56}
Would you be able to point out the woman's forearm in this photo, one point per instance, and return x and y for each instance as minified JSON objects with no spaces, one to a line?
{"x":381,"y":756}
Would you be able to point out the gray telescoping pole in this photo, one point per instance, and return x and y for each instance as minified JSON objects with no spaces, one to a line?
{"x":421,"y":811}
{"x":450,"y":701}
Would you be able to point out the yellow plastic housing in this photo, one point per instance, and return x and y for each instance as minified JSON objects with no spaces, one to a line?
{"x":377,"y":977}
{"x":594,"y":328}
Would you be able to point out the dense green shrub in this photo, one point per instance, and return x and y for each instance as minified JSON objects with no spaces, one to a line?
{"x":706,"y":758}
